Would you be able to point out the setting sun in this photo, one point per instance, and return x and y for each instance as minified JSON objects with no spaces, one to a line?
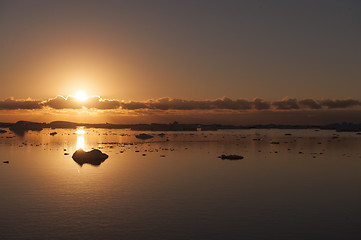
{"x":80,"y":96}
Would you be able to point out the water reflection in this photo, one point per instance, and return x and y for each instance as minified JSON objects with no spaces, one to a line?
{"x":80,"y":143}
{"x":181,"y":177}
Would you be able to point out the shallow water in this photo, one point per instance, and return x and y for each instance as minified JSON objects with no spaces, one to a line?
{"x":305,"y":187}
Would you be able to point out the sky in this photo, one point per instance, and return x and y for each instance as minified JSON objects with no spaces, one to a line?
{"x":195,"y":53}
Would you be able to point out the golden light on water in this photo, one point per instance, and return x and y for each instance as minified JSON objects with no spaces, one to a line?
{"x":80,"y":131}
{"x":80,"y":142}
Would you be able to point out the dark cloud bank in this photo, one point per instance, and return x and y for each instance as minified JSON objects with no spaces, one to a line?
{"x":12,"y":104}
{"x":164,"y":104}
{"x":70,"y":102}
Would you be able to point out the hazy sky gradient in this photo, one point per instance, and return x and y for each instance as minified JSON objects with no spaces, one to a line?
{"x":137,"y":50}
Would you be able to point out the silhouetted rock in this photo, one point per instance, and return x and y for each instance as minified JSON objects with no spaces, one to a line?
{"x":62,"y":124}
{"x":53,"y":133}
{"x":21,"y":127}
{"x":230,"y":157}
{"x":143,"y":136}
{"x":5,"y":125}
{"x":7,"y":162}
{"x":175,"y":126}
{"x":3,"y":131}
{"x":94,"y":157}
{"x":213,"y":127}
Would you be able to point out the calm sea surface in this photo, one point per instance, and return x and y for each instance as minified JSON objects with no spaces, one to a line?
{"x":291,"y":184}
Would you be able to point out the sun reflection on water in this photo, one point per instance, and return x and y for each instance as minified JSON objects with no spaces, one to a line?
{"x":80,"y":143}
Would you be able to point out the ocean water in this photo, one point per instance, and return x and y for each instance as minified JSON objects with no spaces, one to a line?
{"x":291,"y":184}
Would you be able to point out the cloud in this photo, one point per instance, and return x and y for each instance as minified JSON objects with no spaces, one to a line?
{"x":227,"y":103}
{"x":180,"y":104}
{"x":261,"y":104}
{"x":340,"y":103}
{"x":166,"y":103}
{"x":286,"y":104}
{"x":12,"y":104}
{"x":310,"y":103}
{"x":102,"y":104}
{"x":70,"y":102}
{"x":60,"y":102}
{"x":133,"y":105}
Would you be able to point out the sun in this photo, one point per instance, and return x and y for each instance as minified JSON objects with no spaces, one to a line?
{"x":81,"y":96}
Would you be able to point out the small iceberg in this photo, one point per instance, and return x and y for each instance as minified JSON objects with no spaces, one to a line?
{"x":143,"y":136}
{"x":94,"y":157}
{"x":230,"y":157}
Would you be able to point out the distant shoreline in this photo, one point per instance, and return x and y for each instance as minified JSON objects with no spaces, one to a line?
{"x":175,"y":126}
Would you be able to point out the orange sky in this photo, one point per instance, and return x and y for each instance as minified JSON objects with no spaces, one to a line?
{"x":189,"y":50}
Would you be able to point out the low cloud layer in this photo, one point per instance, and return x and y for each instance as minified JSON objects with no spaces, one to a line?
{"x":241,"y":104}
{"x":340,"y":103}
{"x":12,"y":104}
{"x":164,"y":104}
{"x":71,"y":102}
{"x":180,"y":104}
{"x":286,"y":104}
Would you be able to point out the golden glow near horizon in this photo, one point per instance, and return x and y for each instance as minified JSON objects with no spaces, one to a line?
{"x":81,"y":96}
{"x":80,"y":142}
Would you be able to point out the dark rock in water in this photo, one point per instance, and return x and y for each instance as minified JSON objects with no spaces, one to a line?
{"x":143,"y":136}
{"x":7,"y":162}
{"x":66,"y":153}
{"x":275,"y":142}
{"x":161,"y":134}
{"x":94,"y":157}
{"x":53,"y":133}
{"x":230,"y":157}
{"x":3,"y":131}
